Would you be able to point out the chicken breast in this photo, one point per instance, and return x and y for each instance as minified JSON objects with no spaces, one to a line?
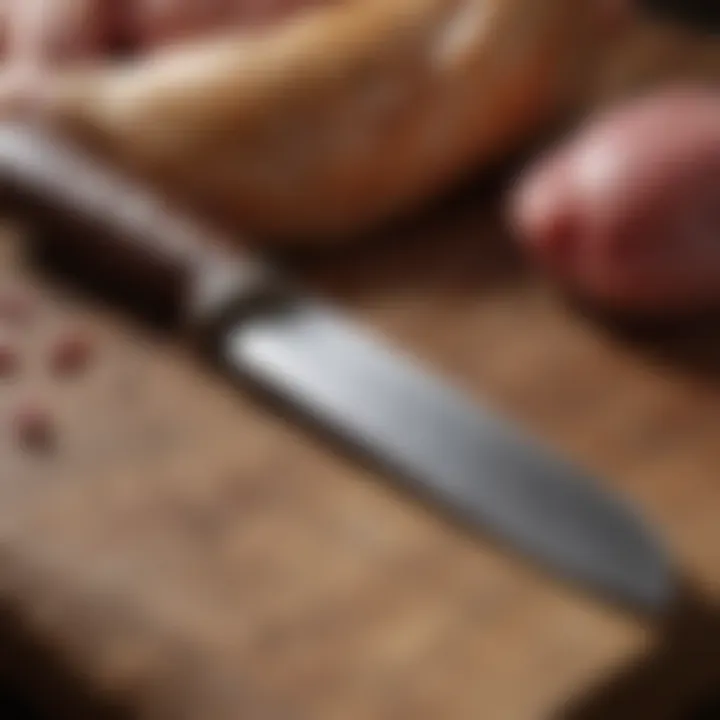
{"x":335,"y":119}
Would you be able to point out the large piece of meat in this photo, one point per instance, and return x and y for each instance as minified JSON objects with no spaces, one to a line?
{"x":338,"y":117}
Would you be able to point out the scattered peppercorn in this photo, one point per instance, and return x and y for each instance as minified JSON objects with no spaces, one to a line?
{"x":35,"y":429}
{"x":72,"y":353}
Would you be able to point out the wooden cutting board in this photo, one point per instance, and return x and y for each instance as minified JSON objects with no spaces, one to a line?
{"x":184,"y":552}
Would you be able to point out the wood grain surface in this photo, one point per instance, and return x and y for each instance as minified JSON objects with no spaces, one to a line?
{"x":186,"y":553}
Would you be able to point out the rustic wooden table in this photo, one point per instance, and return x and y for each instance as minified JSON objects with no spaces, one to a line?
{"x":186,"y":553}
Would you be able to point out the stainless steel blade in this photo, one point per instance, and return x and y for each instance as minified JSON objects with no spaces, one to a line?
{"x":438,"y":441}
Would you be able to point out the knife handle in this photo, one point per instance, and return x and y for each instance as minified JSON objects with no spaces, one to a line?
{"x":126,"y":234}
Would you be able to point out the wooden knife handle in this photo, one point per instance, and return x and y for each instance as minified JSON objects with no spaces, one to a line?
{"x":123,"y":232}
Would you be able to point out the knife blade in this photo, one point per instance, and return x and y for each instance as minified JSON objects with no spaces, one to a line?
{"x":413,"y":425}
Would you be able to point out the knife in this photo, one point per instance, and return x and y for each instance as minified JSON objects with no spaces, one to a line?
{"x":265,"y":330}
